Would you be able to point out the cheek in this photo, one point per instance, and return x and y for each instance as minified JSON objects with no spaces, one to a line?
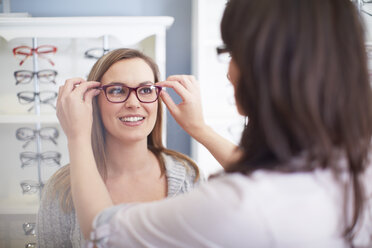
{"x":233,"y":73}
{"x":107,"y":109}
{"x":152,"y":110}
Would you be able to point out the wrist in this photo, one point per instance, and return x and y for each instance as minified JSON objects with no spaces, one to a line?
{"x":79,"y":140}
{"x":201,"y":132}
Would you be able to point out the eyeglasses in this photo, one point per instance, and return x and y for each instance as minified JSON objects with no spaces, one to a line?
{"x":118,"y":92}
{"x":31,"y":187}
{"x":361,"y":6}
{"x":30,"y":245}
{"x":95,"y":53}
{"x":44,"y":76}
{"x":45,"y":97}
{"x":26,"y":51}
{"x":28,"y":134}
{"x":223,"y":54}
{"x":29,"y":228}
{"x":50,"y":158}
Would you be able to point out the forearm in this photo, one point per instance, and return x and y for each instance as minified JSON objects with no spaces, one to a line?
{"x":223,"y":150}
{"x":89,"y":193}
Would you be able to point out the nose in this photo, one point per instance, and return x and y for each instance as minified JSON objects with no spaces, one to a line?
{"x":132,"y":101}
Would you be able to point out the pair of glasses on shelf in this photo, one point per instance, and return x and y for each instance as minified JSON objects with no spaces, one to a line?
{"x":29,"y":228}
{"x":45,"y":97}
{"x":362,"y":4}
{"x":29,"y":134}
{"x":119,"y":92}
{"x":95,"y":53}
{"x":23,"y":52}
{"x":44,"y":76}
{"x":50,"y":158}
{"x":31,"y":187}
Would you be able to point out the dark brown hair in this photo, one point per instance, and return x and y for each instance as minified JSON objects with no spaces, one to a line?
{"x":61,"y":179}
{"x":303,"y":86}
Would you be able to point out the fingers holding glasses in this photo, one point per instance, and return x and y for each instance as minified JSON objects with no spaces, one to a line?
{"x":78,"y":88}
{"x":74,"y":107}
{"x":86,"y":90}
{"x":188,"y":81}
{"x":188,"y":113}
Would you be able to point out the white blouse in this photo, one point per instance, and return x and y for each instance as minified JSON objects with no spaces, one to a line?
{"x":265,"y":209}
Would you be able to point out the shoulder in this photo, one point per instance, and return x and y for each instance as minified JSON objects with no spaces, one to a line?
{"x":178,"y":166}
{"x":181,"y":175}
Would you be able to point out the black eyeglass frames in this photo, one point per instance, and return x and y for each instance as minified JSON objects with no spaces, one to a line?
{"x":223,"y":54}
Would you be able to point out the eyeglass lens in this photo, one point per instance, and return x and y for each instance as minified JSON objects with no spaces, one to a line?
{"x":117,"y":93}
{"x":44,"y":76}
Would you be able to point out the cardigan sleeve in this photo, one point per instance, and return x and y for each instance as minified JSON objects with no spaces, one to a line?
{"x":53,"y":226}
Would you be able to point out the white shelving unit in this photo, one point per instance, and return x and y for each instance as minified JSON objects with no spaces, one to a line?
{"x":217,"y":93}
{"x":72,"y":36}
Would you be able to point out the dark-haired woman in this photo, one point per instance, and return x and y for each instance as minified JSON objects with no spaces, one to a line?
{"x":300,"y":177}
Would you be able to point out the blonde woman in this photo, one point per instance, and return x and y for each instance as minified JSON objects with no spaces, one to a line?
{"x":126,"y":142}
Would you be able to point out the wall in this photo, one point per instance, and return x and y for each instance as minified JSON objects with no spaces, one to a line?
{"x":178,"y":35}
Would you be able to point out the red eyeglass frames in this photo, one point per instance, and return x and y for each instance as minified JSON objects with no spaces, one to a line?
{"x":27,"y":51}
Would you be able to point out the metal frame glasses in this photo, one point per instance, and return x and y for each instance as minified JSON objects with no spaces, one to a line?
{"x":29,"y":228}
{"x":31,"y":187}
{"x":119,"y":92}
{"x":44,"y":76}
{"x":45,"y":97}
{"x":29,"y":134}
{"x":95,"y":53}
{"x":50,"y":158}
{"x":29,"y":51}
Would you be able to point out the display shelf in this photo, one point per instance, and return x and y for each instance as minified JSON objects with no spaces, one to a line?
{"x":72,"y":36}
{"x":23,"y":205}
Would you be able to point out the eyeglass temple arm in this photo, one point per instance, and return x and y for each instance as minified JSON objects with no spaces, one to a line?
{"x":45,"y":57}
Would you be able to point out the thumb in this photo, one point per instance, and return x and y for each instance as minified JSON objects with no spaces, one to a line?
{"x":90,"y":94}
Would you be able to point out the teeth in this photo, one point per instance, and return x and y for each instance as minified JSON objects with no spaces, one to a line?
{"x":131,"y":119}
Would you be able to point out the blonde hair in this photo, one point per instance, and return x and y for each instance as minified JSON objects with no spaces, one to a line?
{"x":60,"y":181}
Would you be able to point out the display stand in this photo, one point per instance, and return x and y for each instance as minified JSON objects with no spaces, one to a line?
{"x":73,"y":36}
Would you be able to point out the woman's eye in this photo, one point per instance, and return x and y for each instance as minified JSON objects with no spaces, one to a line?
{"x":146,"y":90}
{"x":115,"y":90}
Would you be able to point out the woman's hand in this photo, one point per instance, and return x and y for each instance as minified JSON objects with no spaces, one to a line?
{"x":188,"y":113}
{"x":74,"y":107}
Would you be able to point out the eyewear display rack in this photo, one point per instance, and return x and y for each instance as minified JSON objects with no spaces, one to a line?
{"x":73,"y":36}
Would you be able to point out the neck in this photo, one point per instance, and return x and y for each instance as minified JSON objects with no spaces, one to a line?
{"x":128,"y":158}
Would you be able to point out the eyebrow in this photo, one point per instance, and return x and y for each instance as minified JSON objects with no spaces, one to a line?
{"x":140,"y":84}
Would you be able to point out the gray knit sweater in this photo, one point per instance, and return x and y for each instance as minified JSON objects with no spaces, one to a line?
{"x":57,"y":229}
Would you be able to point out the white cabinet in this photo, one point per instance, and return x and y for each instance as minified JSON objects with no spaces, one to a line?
{"x":217,"y":93}
{"x":72,"y":36}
